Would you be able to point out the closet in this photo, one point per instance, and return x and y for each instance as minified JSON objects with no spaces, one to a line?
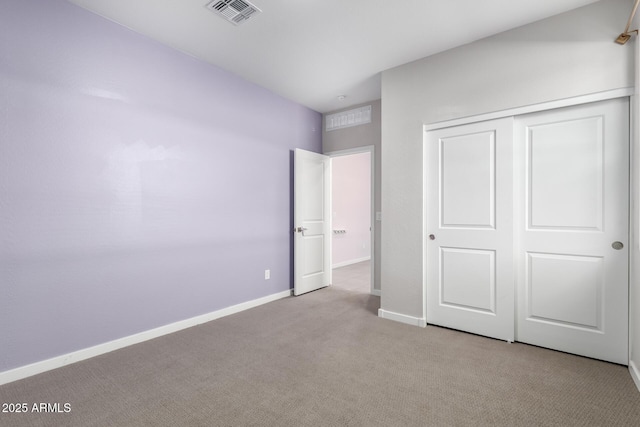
{"x":527,"y":228}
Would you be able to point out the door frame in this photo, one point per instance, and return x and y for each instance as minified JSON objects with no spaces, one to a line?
{"x":359,"y":150}
{"x":634,"y":187}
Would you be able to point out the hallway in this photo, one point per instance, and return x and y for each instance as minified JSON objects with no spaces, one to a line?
{"x":354,"y":277}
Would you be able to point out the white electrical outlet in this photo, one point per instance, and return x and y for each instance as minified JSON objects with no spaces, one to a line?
{"x":267,"y":274}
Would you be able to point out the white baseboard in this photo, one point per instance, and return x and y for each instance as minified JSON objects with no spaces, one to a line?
{"x":635,"y":373}
{"x":352,"y":261}
{"x":402,"y":318}
{"x":376,"y":292}
{"x":86,"y":353}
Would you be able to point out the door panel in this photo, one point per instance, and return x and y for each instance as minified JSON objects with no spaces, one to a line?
{"x":312,"y":172}
{"x":554,"y":279}
{"x":467,"y":187}
{"x":469,"y":214}
{"x":314,"y":259}
{"x":472,"y":287}
{"x":566,"y":174}
{"x":572,"y":291}
{"x":312,"y":256}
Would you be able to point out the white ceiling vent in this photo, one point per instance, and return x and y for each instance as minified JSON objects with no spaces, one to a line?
{"x":234,"y":11}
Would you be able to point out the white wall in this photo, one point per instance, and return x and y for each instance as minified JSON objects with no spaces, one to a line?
{"x":561,"y":57}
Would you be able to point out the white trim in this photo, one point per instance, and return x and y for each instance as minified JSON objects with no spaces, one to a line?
{"x":402,"y":318}
{"x":534,"y":108}
{"x":425,"y":206}
{"x":86,"y":353}
{"x":351,"y":261}
{"x":376,"y":292}
{"x":372,"y":273}
{"x":349,"y":151}
{"x":633,"y":223}
{"x":635,"y":374}
{"x":634,"y":187}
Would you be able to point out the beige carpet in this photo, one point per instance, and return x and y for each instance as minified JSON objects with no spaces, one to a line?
{"x":354,"y":277}
{"x":325,"y":359}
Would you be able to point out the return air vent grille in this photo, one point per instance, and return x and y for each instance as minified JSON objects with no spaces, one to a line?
{"x":345,"y":119}
{"x":234,"y":11}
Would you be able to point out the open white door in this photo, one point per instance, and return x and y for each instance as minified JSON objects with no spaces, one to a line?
{"x":312,"y":238}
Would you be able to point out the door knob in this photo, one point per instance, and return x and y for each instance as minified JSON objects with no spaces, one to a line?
{"x":432,"y":237}
{"x":617,"y":245}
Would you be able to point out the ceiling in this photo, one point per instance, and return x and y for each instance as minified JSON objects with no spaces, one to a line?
{"x":312,"y":51}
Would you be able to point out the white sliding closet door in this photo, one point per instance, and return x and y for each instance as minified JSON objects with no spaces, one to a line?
{"x":469,"y":220}
{"x":573,"y":220}
{"x":527,"y":228}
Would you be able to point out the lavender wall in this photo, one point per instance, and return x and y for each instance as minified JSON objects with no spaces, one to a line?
{"x":351,"y":206}
{"x":138,"y":186}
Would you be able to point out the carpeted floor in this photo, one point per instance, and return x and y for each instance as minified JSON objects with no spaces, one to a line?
{"x":326,"y":359}
{"x":354,"y":277}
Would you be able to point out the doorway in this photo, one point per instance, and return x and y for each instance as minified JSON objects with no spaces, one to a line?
{"x":352,"y":235}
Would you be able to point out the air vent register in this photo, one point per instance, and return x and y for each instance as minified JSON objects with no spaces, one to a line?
{"x":234,"y":11}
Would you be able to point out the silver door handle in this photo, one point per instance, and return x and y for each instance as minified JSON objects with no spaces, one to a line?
{"x":300,"y":230}
{"x":432,"y":237}
{"x":617,"y":245}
